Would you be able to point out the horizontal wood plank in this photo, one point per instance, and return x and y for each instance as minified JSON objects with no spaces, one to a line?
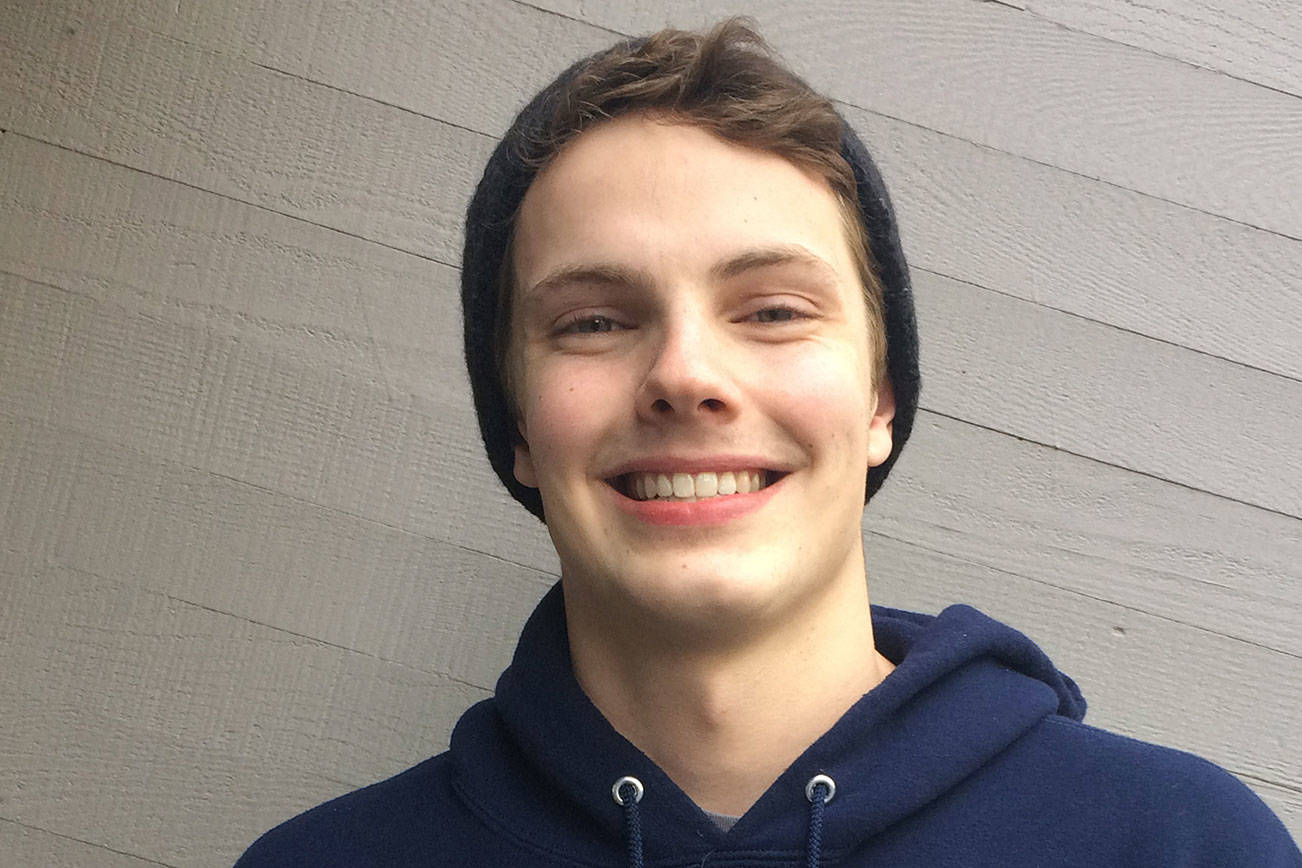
{"x":230,"y":126}
{"x":417,"y":466}
{"x":228,"y":268}
{"x":1058,"y":96}
{"x":1089,"y":248}
{"x":392,"y":319}
{"x":999,"y":77}
{"x":26,"y":847}
{"x":247,"y":410}
{"x":386,"y":174}
{"x":444,"y":60}
{"x":1257,"y":40}
{"x":194,"y":720}
{"x":1069,"y":522}
{"x":238,"y":548}
{"x":1110,"y":395}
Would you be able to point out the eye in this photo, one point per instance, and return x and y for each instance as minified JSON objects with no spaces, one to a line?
{"x":588,"y":324}
{"x":776,"y":314}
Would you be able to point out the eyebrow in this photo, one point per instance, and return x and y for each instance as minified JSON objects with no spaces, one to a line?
{"x":767,"y":257}
{"x":604,"y":274}
{"x":596,"y":275}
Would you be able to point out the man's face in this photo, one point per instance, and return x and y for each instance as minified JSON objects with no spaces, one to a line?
{"x":687,"y":318}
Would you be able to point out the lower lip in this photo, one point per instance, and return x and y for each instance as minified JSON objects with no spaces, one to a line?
{"x":711,"y":511}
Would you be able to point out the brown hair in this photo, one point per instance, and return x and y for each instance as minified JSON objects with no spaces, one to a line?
{"x":728,"y":82}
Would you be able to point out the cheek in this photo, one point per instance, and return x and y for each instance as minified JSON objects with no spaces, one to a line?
{"x":566,"y":408}
{"x":826,"y":400}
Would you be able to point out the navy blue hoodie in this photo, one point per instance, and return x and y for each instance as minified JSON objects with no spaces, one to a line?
{"x":970,"y":753}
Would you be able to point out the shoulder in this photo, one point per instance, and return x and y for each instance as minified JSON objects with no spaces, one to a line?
{"x":1177,"y":807}
{"x":387,"y":823}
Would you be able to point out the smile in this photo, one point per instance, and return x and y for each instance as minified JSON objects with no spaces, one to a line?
{"x":691,"y":487}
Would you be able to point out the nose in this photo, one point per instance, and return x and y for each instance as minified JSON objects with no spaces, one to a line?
{"x":688,"y":378}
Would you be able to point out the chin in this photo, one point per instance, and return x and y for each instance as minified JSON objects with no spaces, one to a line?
{"x":703,"y":598}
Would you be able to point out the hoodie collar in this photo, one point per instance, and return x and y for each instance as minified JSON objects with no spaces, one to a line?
{"x":538,"y":760}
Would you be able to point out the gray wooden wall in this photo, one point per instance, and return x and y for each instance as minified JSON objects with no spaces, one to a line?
{"x":251,"y":555}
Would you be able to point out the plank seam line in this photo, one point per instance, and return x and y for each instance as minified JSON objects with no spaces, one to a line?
{"x":564,"y":17}
{"x":120,"y":302}
{"x":1080,"y":316}
{"x":451,"y":542}
{"x":1014,"y":153}
{"x":374,"y":99}
{"x":235,"y":199}
{"x":1085,"y":594}
{"x":1130,"y":45}
{"x":922,"y":407}
{"x":4,"y":272}
{"x":545,"y":578}
{"x":1075,"y":172}
{"x":238,"y":617}
{"x":1271,"y":509}
{"x":236,"y":56}
{"x":317,"y":639}
{"x":67,"y":837}
{"x":1292,"y":788}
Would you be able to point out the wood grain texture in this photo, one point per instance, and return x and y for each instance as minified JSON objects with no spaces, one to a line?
{"x":1070,"y":520}
{"x":241,"y":549}
{"x":1107,"y":394}
{"x":386,"y":317}
{"x":1000,"y":77}
{"x":191,"y":257}
{"x":416,"y":466}
{"x":1257,"y":40}
{"x":230,"y":126}
{"x":1061,"y":97}
{"x":388,"y":175}
{"x":469,"y":63}
{"x":132,"y":716}
{"x":1090,"y":248}
{"x":26,"y":847}
{"x":1038,"y":512}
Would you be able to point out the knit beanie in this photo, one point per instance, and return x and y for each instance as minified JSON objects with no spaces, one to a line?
{"x":489,"y":223}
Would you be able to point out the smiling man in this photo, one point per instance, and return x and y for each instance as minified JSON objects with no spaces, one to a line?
{"x":690,"y":335}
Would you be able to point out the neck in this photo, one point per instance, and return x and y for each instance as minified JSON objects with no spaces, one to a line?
{"x":724,"y":718}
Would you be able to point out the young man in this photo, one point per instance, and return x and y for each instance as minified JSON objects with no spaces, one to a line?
{"x":690,"y":335}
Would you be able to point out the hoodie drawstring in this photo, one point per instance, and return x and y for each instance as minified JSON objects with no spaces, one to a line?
{"x":628,"y":792}
{"x":819,"y":791}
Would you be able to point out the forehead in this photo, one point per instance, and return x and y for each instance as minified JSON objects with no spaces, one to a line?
{"x":670,"y":198}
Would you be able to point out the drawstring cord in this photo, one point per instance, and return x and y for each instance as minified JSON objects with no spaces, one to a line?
{"x":628,"y":790}
{"x":819,"y":791}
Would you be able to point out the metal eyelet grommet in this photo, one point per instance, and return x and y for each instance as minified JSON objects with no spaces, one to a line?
{"x":825,"y":781}
{"x":619,"y":785}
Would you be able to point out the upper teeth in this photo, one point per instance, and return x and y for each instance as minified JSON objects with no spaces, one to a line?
{"x":694,"y":486}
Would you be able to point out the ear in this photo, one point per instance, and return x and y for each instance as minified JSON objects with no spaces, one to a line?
{"x":880,"y":438}
{"x":524,"y":469}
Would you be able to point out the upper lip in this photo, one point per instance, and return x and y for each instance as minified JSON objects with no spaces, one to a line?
{"x":695,"y":464}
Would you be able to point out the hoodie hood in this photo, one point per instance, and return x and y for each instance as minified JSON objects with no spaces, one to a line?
{"x":538,"y":761}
